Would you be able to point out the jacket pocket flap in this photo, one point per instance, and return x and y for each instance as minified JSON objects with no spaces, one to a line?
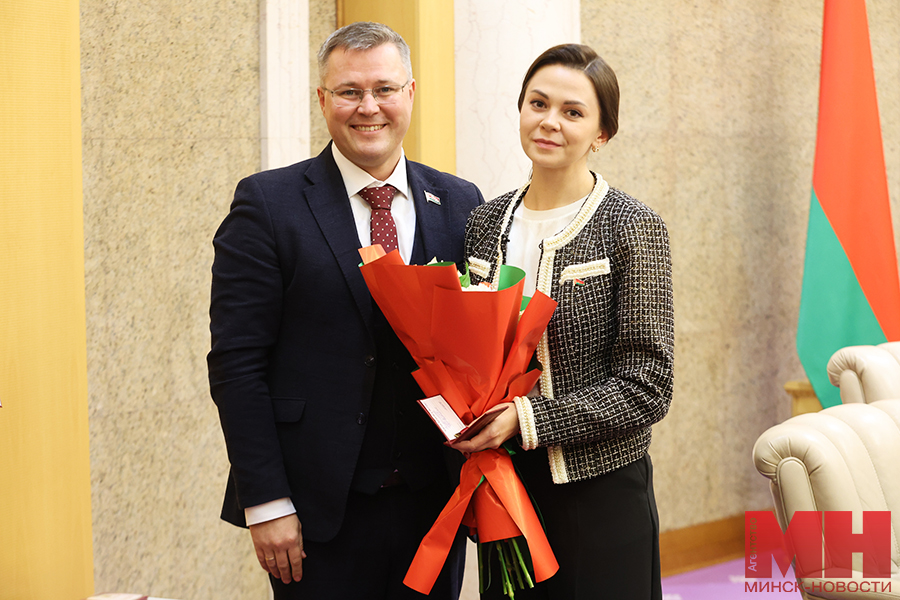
{"x":288,"y":410}
{"x":577,"y":272}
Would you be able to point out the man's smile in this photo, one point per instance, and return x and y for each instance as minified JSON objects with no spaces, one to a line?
{"x":368,"y":127}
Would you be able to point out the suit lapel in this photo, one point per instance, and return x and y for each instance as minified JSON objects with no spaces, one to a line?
{"x":327,"y":199}
{"x":432,"y":216}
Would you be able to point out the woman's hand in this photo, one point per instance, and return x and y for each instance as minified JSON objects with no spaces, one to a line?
{"x":505,"y":426}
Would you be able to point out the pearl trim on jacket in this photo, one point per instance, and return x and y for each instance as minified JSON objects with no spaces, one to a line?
{"x":550,"y":245}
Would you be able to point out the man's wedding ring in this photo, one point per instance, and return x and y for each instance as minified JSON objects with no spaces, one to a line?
{"x":270,"y":558}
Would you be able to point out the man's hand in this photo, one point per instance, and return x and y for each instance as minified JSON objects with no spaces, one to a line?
{"x":494,"y":434}
{"x":279,"y":547}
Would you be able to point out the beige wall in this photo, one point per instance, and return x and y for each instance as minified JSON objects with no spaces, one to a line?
{"x":718,"y":124}
{"x":170,"y":123}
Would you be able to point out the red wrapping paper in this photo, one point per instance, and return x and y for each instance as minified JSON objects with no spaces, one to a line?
{"x":473,"y":348}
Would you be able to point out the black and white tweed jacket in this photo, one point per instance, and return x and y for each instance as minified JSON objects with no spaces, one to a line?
{"x":608,"y":353}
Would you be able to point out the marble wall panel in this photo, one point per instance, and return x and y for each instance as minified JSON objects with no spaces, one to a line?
{"x":495,"y":43}
{"x":170,"y":123}
{"x":284,"y":82}
{"x":717,"y":133}
{"x":322,"y":21}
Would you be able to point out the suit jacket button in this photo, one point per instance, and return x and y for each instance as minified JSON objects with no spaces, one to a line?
{"x":370,"y":361}
{"x":361,"y":418}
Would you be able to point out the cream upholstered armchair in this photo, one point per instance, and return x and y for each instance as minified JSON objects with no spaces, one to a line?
{"x":866,"y":373}
{"x":843,"y":458}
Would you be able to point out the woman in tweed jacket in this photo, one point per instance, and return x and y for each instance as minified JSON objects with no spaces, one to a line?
{"x":607,"y":355}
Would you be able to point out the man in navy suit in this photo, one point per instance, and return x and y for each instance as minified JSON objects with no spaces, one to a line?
{"x":335,"y":469}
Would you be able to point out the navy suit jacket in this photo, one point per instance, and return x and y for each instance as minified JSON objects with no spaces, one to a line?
{"x":293,"y":354}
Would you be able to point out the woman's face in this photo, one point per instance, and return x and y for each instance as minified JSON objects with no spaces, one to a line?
{"x":560,"y":118}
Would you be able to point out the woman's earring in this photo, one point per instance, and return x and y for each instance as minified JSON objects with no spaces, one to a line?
{"x":595,"y":148}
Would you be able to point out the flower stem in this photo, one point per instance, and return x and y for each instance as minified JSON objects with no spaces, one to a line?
{"x":517,"y":565}
{"x":504,"y":572}
{"x":481,"y":586}
{"x":515,"y":546}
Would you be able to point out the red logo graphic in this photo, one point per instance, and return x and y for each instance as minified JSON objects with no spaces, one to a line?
{"x":821,"y":544}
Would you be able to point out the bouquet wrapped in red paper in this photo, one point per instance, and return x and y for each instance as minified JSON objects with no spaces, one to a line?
{"x":473,"y":348}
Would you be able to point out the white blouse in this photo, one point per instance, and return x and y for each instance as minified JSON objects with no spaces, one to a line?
{"x":530,"y":228}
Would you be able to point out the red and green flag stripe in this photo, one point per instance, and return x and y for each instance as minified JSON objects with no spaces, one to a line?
{"x":851,"y":289}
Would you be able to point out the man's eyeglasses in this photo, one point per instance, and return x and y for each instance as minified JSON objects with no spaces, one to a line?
{"x":383,"y":94}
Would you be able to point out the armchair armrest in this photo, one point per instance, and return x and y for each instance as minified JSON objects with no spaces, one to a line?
{"x":865,"y":373}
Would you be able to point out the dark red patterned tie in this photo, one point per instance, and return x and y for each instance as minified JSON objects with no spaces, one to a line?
{"x":384,"y":230}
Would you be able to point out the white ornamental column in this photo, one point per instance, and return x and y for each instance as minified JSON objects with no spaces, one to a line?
{"x":496,"y":41}
{"x":284,"y":81}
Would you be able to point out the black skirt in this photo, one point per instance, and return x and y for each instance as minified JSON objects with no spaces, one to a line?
{"x":604,"y":532}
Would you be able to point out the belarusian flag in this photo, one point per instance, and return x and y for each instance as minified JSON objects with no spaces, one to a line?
{"x":851,"y":292}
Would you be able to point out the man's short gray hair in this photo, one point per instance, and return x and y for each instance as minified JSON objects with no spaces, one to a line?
{"x":363,"y":35}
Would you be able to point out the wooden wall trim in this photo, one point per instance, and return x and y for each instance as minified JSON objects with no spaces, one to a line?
{"x":701,"y":545}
